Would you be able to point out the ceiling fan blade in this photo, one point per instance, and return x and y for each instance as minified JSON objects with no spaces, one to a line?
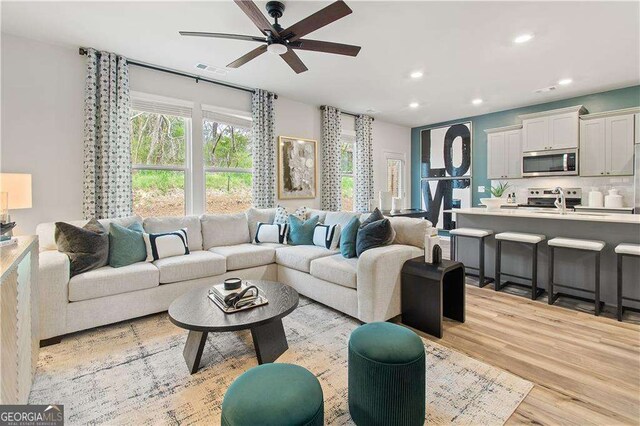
{"x":223,"y":35}
{"x":323,"y":17}
{"x":251,"y":10}
{"x":326,"y":47}
{"x":249,"y":56}
{"x":294,"y":61}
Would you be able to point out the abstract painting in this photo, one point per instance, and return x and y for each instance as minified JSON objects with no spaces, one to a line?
{"x":445,"y":171}
{"x":297,"y":159}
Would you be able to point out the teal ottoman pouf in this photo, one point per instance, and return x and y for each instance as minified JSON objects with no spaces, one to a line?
{"x":386,"y":375}
{"x":274,"y":395}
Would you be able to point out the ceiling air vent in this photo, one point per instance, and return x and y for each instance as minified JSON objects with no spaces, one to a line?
{"x":219,"y":71}
{"x":546,"y":89}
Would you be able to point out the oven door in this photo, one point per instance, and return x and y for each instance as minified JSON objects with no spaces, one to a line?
{"x":550,"y":163}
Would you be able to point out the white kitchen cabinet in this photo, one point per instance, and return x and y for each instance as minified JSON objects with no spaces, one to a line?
{"x":549,"y":130}
{"x":606,"y":145}
{"x":504,"y":153}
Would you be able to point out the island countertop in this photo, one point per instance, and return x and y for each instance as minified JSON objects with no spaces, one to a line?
{"x":551,"y":214}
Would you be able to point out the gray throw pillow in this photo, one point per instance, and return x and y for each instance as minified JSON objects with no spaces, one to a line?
{"x":375,"y":215}
{"x":87,"y":247}
{"x":372,"y":235}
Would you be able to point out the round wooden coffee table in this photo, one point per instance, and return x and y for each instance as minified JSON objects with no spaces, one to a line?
{"x":194,"y":311}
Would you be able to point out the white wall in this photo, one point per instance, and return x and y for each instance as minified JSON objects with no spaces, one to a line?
{"x":42,"y":122}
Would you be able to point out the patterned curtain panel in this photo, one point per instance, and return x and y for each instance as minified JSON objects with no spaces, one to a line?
{"x":331,"y":131}
{"x":363,"y":163}
{"x":107,"y":154}
{"x":264,"y":149}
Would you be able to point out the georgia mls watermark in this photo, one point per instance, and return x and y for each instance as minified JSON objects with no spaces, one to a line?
{"x":31,"y":415}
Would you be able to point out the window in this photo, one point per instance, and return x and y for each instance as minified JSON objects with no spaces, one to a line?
{"x":227,"y":162}
{"x":160,"y":141}
{"x":347,"y":144}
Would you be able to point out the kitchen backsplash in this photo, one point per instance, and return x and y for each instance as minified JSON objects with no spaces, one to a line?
{"x":623,"y":183}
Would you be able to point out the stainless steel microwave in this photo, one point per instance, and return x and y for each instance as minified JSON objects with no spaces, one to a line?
{"x":559,"y":162}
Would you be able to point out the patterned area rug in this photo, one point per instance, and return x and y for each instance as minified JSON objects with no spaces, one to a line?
{"x":134,"y":373}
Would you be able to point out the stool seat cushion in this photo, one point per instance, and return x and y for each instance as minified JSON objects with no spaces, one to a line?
{"x":627,"y":248}
{"x":386,"y":343}
{"x":593,"y":245}
{"x":471,"y":232}
{"x":520,"y":237}
{"x":274,"y":394}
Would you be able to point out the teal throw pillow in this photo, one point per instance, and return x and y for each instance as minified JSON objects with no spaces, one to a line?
{"x":301,"y":231}
{"x":126,"y":245}
{"x":348,"y":238}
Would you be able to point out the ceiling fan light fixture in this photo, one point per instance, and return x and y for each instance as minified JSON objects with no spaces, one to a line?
{"x":277,"y":48}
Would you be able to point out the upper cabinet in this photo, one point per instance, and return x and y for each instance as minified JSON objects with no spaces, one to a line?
{"x":548,"y":130}
{"x":504,"y":152}
{"x":606,"y":143}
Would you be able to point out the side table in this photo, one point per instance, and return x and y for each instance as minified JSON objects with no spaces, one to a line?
{"x":431,"y":291}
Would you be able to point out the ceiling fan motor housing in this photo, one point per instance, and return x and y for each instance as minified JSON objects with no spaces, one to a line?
{"x":275,"y":9}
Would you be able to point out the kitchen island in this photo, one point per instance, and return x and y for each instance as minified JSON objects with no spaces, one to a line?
{"x":571,"y":267}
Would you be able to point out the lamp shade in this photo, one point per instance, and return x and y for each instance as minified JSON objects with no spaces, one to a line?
{"x":18,"y":188}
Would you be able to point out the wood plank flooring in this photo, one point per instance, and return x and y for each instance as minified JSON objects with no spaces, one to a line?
{"x":586,"y":369}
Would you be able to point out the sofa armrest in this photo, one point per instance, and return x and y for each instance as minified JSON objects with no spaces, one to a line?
{"x":379,"y":281}
{"x":53,"y":280}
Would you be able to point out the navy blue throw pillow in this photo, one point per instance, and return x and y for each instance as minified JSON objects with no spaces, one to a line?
{"x":372,"y":235}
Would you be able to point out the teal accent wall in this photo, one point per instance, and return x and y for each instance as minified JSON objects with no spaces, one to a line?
{"x":597,"y":102}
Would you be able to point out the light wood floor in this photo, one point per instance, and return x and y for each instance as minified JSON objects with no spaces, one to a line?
{"x":586,"y":369}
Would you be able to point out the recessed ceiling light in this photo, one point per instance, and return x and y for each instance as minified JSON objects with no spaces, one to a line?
{"x":417,"y":74}
{"x":477,"y":101}
{"x":523,"y":38}
{"x":565,"y":81}
{"x":414,"y":105}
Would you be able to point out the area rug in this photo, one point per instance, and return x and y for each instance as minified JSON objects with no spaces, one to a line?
{"x":134,"y":373}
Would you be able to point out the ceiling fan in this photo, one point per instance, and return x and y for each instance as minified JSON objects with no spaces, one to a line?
{"x":283,"y":41}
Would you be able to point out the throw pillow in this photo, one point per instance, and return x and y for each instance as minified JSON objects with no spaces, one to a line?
{"x":87,"y":247}
{"x":301,"y":231}
{"x":326,"y":236}
{"x":259,"y":215}
{"x":282,"y":215}
{"x":166,"y":244}
{"x":372,"y":235}
{"x":267,"y":233}
{"x":375,"y":215}
{"x":126,"y":245}
{"x":348,"y":238}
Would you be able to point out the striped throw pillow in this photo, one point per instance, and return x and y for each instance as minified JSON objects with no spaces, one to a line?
{"x":326,"y":236}
{"x":166,"y":244}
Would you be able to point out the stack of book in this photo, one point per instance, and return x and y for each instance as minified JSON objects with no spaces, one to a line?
{"x":251,"y":299}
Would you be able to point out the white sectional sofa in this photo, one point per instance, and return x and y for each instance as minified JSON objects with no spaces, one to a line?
{"x":367,"y":288}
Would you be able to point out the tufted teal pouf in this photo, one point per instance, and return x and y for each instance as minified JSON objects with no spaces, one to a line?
{"x":386,"y":375}
{"x":274,"y":394}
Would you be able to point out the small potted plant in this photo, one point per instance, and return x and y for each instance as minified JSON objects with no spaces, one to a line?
{"x":498,"y":199}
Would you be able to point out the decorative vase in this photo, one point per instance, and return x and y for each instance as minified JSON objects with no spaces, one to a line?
{"x":493,"y":204}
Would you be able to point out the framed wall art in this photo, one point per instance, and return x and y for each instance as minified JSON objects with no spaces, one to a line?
{"x":297,"y":168}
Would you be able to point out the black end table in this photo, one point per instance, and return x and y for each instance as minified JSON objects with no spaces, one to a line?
{"x":195,"y":312}
{"x":431,"y":291}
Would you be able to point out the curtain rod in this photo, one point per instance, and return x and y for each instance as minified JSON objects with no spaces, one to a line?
{"x":323,"y":107}
{"x":197,"y":78}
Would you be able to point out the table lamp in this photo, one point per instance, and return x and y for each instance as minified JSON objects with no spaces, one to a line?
{"x":15,"y":193}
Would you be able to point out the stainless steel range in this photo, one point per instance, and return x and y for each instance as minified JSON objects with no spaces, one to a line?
{"x":545,"y":197}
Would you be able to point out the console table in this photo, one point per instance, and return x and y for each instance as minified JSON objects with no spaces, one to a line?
{"x":431,"y":291}
{"x":19,"y":317}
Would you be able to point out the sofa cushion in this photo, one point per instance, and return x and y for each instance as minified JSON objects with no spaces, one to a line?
{"x":157,"y":225}
{"x":336,"y":269}
{"x":197,"y":264}
{"x":246,"y":255}
{"x":224,"y":229}
{"x":339,"y":218}
{"x":258,"y":215}
{"x":410,"y":231}
{"x":300,"y":257}
{"x":107,"y":281}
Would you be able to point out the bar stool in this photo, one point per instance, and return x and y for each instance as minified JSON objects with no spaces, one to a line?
{"x":622,"y":250}
{"x":528,"y":239}
{"x":480,"y":234}
{"x":582,"y":245}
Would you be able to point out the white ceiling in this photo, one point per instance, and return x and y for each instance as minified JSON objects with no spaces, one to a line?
{"x":464,"y":48}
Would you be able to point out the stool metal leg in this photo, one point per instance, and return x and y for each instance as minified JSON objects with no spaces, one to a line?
{"x":534,"y":273}
{"x":481,"y":282}
{"x":619,"y":295}
{"x":452,"y":243}
{"x":497,"y":272}
{"x":551,"y":300}
{"x":597,"y":292}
